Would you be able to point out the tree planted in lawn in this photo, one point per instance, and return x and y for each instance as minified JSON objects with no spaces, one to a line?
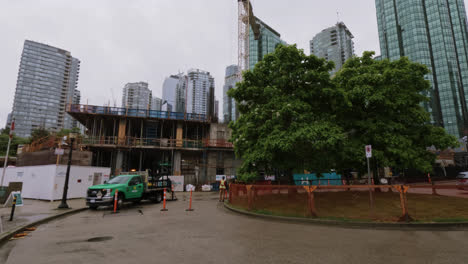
{"x":384,"y":109}
{"x":288,"y":120}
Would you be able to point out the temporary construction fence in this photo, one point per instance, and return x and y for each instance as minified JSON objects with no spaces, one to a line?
{"x":387,"y":203}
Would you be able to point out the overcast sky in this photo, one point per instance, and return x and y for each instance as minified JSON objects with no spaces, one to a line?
{"x":147,"y":40}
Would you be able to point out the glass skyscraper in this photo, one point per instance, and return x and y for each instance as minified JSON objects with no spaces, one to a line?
{"x":262,"y":44}
{"x":433,"y":33}
{"x":174,"y":90}
{"x":47,"y":81}
{"x":230,"y":112}
{"x":333,"y":44}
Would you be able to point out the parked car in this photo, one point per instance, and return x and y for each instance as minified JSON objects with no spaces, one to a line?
{"x":462,"y":180}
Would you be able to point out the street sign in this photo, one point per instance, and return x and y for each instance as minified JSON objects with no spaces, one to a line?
{"x":58,"y":151}
{"x":9,"y":201}
{"x":368,"y":151}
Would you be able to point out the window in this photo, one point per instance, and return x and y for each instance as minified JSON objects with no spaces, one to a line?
{"x":219,"y":171}
{"x":135,"y":180}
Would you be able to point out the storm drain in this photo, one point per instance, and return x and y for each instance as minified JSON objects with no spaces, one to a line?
{"x":99,"y":239}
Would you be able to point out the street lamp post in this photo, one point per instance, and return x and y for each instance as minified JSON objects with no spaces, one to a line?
{"x":63,"y":204}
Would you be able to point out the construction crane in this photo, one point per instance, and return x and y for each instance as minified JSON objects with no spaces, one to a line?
{"x":246,"y":19}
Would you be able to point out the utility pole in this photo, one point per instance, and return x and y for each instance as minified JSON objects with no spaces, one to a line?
{"x":12,"y":128}
{"x":63,"y":204}
{"x":371,"y":198}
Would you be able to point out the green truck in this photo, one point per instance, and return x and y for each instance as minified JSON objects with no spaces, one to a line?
{"x":131,"y":186}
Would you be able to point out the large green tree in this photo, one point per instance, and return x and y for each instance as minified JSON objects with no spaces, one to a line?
{"x":288,"y":121}
{"x":384,"y":109}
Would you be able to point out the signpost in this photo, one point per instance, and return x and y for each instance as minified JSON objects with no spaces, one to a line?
{"x":369,"y":155}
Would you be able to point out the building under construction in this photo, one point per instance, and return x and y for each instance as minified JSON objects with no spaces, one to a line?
{"x":138,"y":139}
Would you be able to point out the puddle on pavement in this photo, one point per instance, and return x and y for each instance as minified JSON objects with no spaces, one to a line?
{"x":93,"y":239}
{"x":100,"y":239}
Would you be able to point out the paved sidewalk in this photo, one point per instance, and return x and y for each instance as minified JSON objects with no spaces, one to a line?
{"x":33,"y":210}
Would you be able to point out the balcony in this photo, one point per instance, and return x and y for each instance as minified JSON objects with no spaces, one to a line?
{"x":161,"y":143}
{"x":128,"y":112}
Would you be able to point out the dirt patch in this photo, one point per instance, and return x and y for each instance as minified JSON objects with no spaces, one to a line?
{"x":354,"y":205}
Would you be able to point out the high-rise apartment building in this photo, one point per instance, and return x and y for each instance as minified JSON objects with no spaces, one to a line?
{"x":333,"y":44}
{"x":216,"y":109}
{"x":156,"y":104}
{"x":8,"y":122}
{"x":47,"y":82}
{"x":230,"y":112}
{"x":200,"y":93}
{"x":433,"y":33}
{"x":174,"y":90}
{"x":137,"y":96}
{"x":266,"y":42}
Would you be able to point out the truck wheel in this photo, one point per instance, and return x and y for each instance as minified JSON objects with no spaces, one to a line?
{"x":159,"y":197}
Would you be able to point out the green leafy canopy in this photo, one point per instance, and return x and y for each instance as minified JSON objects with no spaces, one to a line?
{"x":294,"y":116}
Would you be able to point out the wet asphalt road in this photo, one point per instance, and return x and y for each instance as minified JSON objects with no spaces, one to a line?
{"x":211,"y":234}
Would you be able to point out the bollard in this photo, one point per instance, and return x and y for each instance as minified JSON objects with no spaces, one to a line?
{"x":13,"y":208}
{"x":172,"y":191}
{"x":434,"y":192}
{"x":164,"y":203}
{"x":116,"y":195}
{"x":190,"y":204}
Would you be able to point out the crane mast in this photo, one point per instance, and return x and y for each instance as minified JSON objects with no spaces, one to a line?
{"x":244,"y":11}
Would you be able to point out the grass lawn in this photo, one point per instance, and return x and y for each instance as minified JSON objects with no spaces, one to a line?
{"x":354,"y":206}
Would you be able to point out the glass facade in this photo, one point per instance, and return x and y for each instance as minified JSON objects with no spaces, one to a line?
{"x":47,"y":81}
{"x":264,"y":44}
{"x":433,"y":33}
{"x":333,"y":44}
{"x":230,"y":112}
{"x":174,"y":90}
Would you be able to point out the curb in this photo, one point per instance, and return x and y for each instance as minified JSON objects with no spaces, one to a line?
{"x":449,"y":226}
{"x":4,"y":237}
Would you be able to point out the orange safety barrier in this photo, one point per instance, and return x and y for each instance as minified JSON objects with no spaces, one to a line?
{"x":164,"y":203}
{"x":115,"y":200}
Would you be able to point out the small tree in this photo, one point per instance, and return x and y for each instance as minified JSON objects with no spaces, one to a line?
{"x":385,"y":110}
{"x":287,"y":105}
{"x":15,"y":141}
{"x":65,"y":132}
{"x":38,"y":133}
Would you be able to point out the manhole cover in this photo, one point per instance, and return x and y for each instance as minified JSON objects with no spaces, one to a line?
{"x":99,"y":239}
